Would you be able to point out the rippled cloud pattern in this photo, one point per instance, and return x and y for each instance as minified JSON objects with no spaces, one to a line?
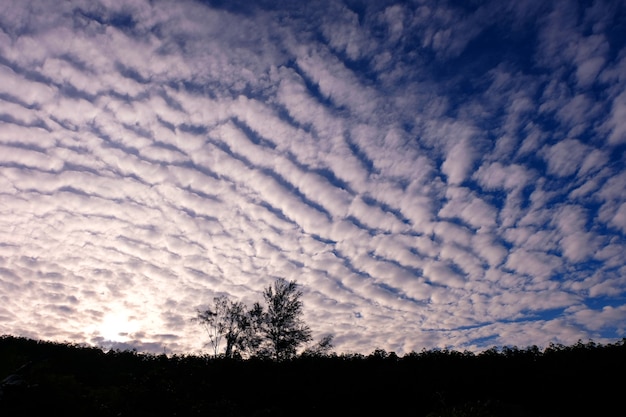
{"x":432,"y":174}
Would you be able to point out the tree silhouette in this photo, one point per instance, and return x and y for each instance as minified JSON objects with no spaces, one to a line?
{"x":321,"y":348}
{"x":276,"y":331}
{"x":226,"y":320}
{"x":282,"y":327}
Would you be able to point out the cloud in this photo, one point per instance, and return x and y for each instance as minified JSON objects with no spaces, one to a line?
{"x":458,"y":143}
{"x":619,"y":219}
{"x":598,"y":319}
{"x":422,"y":191}
{"x":471,"y":209}
{"x":535,"y":264}
{"x":615,"y":122}
{"x":565,"y":157}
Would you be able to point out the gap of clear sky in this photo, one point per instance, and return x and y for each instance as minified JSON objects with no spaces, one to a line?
{"x":432,"y":173}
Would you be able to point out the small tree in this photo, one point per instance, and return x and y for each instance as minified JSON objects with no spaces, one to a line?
{"x":281,"y":326}
{"x":253,"y":338}
{"x":322,"y":348}
{"x":228,"y":321}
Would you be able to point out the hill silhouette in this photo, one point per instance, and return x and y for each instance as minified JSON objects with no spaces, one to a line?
{"x":42,"y":378}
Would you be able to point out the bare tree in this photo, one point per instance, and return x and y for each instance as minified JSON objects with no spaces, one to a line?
{"x":228,"y":321}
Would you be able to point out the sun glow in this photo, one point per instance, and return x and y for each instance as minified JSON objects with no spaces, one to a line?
{"x":117,"y":327}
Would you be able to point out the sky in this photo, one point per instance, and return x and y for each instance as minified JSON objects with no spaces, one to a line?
{"x":433,"y":174}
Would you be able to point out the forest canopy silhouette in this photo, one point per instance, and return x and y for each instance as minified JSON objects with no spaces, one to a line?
{"x":46,"y":378}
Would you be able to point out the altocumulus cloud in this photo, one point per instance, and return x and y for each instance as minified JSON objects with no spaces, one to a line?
{"x":433,"y":175}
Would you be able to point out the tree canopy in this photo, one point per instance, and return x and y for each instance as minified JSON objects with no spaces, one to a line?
{"x":229,"y":321}
{"x":39,"y":378}
{"x":275,"y":330}
{"x":283,"y":328}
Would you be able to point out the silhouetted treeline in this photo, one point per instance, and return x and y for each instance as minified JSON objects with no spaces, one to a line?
{"x":44,"y":378}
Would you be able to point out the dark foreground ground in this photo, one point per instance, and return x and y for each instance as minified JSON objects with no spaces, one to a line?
{"x":50,"y":379}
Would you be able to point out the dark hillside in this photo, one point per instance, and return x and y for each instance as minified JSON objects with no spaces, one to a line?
{"x":43,"y":378}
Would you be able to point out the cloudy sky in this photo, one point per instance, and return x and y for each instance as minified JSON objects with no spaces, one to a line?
{"x":433,"y":174}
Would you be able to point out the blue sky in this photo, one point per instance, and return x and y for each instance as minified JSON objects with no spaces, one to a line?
{"x":433,"y":174}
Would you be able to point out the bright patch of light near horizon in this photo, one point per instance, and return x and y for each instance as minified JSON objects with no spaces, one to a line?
{"x":116,"y":327}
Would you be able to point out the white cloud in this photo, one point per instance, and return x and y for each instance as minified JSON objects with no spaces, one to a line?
{"x":594,"y":161}
{"x":486,"y":247}
{"x":590,"y":58}
{"x":579,"y":246}
{"x":337,"y":83}
{"x":597,"y":319}
{"x":345,"y":34}
{"x":613,"y":188}
{"x":146,"y":169}
{"x":535,"y":264}
{"x":565,"y":157}
{"x":619,"y":219}
{"x":470,"y":208}
{"x":616,"y":120}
